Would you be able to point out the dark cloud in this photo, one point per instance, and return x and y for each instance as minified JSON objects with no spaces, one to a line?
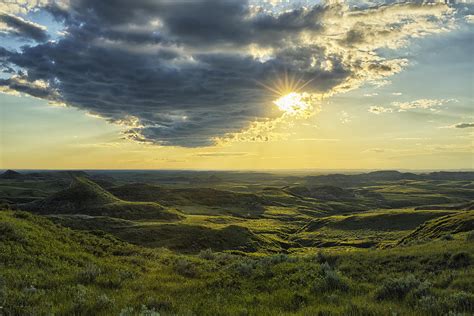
{"x":24,"y":29}
{"x":182,"y":72}
{"x":464,"y":125}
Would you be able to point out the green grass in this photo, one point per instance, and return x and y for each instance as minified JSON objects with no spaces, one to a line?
{"x":449,"y":224}
{"x":195,"y":200}
{"x":83,"y":196}
{"x":237,"y":244}
{"x":50,"y":269}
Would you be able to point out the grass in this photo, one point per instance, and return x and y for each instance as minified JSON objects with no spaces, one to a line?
{"x":237,"y":244}
{"x":83,"y":196}
{"x":439,"y":227}
{"x":51,"y":269}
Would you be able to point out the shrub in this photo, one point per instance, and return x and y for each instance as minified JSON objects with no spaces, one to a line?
{"x":185,"y":268}
{"x":158,"y":305}
{"x":244,"y":268}
{"x":79,"y":299}
{"x":329,"y":280}
{"x":223,"y":258}
{"x":144,"y":311}
{"x":460,"y":301}
{"x":207,"y":254}
{"x":447,"y":237}
{"x":3,"y":292}
{"x":460,"y":260}
{"x":355,"y":309}
{"x":422,"y":291}
{"x":8,"y":232}
{"x":470,"y":236}
{"x":88,"y":274}
{"x":114,"y":279}
{"x":322,"y":257}
{"x":297,"y":301}
{"x":104,"y":302}
{"x":428,"y":303}
{"x":397,"y":288}
{"x":276,"y":259}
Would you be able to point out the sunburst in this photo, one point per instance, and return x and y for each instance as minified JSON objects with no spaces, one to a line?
{"x":290,"y":97}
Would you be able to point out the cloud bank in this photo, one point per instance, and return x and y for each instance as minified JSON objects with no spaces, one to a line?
{"x":188,"y":73}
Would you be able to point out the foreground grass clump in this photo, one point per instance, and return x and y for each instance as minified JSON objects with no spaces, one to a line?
{"x":48,"y":269}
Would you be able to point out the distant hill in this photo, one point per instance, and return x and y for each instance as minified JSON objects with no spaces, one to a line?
{"x":450,"y":224}
{"x":11,"y":174}
{"x":323,"y":192}
{"x":86,"y":197}
{"x":386,"y":175}
{"x":469,"y":206}
{"x":238,"y":204}
{"x":376,"y":221}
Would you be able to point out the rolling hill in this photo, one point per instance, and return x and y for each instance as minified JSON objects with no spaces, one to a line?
{"x":83,"y":196}
{"x":195,"y":200}
{"x":442,"y":226}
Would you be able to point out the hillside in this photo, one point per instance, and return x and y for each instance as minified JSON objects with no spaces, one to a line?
{"x":194,"y":200}
{"x":179,"y":237}
{"x":83,"y":196}
{"x":439,"y":227}
{"x":48,"y":269}
{"x":11,"y":174}
{"x":323,"y":192}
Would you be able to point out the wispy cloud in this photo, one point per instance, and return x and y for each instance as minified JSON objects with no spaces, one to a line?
{"x":379,"y":110}
{"x":222,"y":154}
{"x":345,"y":117}
{"x":371,"y":94}
{"x":318,"y":139}
{"x":421,"y":104}
{"x":460,"y":125}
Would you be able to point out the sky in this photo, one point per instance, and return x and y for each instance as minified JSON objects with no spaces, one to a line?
{"x":233,"y":84}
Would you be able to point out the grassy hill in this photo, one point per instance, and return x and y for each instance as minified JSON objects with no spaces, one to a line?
{"x":83,"y":196}
{"x":442,"y":226}
{"x":11,"y":174}
{"x":195,"y":200}
{"x":184,"y":238}
{"x":49,"y":269}
{"x":377,"y":220}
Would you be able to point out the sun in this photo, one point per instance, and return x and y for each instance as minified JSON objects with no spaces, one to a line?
{"x":293,"y":104}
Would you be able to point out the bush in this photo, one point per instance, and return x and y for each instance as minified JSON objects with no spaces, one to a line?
{"x":322,"y":257}
{"x":156,"y":304}
{"x":460,"y":301}
{"x":207,"y":254}
{"x":421,"y":291}
{"x":3,"y":292}
{"x":244,"y":267}
{"x":470,"y":236}
{"x":447,"y":237}
{"x":8,"y":232}
{"x":185,"y":268}
{"x":80,"y":299}
{"x":144,"y":311}
{"x":88,"y":274}
{"x":297,"y":301}
{"x":329,"y":280}
{"x":460,"y":260}
{"x":429,"y":304}
{"x":397,"y":288}
{"x":104,"y":302}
